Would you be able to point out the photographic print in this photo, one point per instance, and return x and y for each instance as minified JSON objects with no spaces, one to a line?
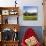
{"x":30,"y":12}
{"x":5,"y":12}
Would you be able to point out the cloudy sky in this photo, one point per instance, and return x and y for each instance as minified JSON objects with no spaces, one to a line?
{"x":30,"y":9}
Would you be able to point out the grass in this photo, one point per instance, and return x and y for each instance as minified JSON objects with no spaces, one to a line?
{"x":30,"y":17}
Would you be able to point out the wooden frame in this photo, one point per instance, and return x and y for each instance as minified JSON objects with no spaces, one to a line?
{"x":7,"y":10}
{"x":13,"y":27}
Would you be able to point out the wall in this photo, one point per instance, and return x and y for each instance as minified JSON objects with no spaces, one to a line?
{"x":21,"y":3}
{"x":7,"y":3}
{"x":38,"y":3}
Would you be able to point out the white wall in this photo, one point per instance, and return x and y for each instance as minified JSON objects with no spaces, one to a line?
{"x":7,"y":3}
{"x":38,"y":3}
{"x":22,"y":3}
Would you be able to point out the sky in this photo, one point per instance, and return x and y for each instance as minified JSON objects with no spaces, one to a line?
{"x":30,"y":9}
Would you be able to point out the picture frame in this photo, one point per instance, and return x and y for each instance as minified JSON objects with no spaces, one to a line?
{"x":30,"y":12}
{"x":6,"y":34}
{"x":5,"y":12}
{"x":13,"y":12}
{"x":11,"y":20}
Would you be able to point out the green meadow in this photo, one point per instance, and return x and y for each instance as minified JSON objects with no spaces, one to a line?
{"x":30,"y":17}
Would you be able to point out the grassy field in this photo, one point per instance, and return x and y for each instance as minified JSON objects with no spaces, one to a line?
{"x":30,"y":17}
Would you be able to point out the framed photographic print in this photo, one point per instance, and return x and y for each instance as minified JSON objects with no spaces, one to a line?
{"x":12,"y":20}
{"x":13,"y":12}
{"x":6,"y":34}
{"x":5,"y":12}
{"x":30,"y":12}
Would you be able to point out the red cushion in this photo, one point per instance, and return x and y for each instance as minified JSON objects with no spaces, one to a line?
{"x":29,"y":33}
